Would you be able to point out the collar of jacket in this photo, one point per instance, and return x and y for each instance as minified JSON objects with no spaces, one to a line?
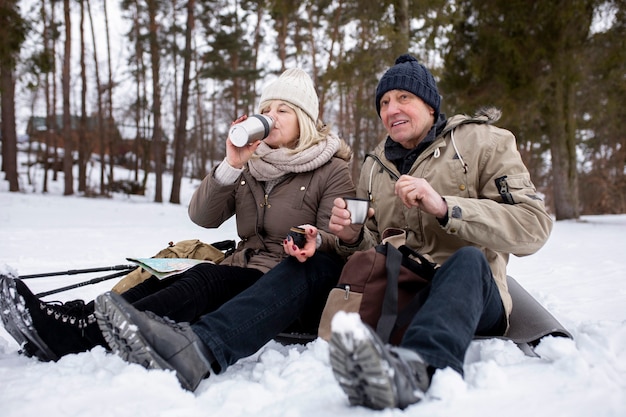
{"x":488,"y":115}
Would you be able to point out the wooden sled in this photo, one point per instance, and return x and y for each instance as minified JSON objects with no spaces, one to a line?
{"x":529,"y":323}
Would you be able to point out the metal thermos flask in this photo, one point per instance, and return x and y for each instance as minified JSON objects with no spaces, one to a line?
{"x":255,"y":127}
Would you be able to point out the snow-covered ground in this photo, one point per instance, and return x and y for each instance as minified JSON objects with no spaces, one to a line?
{"x":579,"y":276}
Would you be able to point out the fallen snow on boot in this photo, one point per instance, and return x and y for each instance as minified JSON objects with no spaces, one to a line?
{"x":371,"y":373}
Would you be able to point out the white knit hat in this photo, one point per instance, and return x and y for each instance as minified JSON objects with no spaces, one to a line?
{"x":296,"y":87}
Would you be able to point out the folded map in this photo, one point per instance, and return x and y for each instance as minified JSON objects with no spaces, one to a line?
{"x":166,"y":267}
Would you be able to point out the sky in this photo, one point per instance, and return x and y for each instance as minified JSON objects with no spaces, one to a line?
{"x":578,"y":276}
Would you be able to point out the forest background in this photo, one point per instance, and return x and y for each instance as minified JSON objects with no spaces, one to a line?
{"x":161,"y":97}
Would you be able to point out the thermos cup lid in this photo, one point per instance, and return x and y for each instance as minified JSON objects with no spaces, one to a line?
{"x":255,"y":127}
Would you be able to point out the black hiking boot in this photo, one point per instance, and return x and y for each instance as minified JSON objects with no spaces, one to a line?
{"x":47,"y":330}
{"x":7,"y":311}
{"x":373,"y":374}
{"x":152,"y":341}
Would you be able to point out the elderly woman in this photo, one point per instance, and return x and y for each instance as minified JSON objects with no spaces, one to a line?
{"x":267,"y":285}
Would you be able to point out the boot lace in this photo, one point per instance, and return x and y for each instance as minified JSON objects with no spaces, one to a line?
{"x":167,"y":321}
{"x":74,"y":312}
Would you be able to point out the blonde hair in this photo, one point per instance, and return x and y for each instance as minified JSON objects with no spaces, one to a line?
{"x":311,"y":133}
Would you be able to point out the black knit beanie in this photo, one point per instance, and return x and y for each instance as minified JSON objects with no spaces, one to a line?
{"x":409,"y":75}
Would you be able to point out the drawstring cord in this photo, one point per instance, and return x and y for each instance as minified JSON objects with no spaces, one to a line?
{"x":463,"y":164}
{"x":436,"y":154}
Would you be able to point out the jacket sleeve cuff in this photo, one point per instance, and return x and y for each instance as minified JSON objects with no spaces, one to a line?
{"x":345,"y":249}
{"x":226,"y":174}
{"x":453,"y":220}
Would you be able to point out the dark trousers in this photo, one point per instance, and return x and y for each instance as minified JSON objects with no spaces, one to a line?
{"x":183,"y":298}
{"x":289,"y":291}
{"x":464,"y":301}
{"x":197,"y":291}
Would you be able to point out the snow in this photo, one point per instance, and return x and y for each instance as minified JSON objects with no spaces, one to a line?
{"x":578,"y":275}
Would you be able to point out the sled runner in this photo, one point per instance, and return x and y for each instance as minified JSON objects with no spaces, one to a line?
{"x":529,"y":323}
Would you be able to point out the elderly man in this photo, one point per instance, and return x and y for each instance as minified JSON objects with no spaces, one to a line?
{"x":459,"y":190}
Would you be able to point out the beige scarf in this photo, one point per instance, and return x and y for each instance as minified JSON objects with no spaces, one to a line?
{"x":271,"y":164}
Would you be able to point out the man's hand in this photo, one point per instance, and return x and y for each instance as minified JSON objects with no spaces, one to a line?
{"x":417,"y":192}
{"x":304,"y":253}
{"x":341,"y":225}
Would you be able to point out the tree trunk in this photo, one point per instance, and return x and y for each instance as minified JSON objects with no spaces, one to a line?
{"x":54,"y":125}
{"x":68,"y":145}
{"x":181,"y":131}
{"x":402,"y":38}
{"x":99,"y":130}
{"x":108,"y":127}
{"x":201,"y":154}
{"x":139,"y":80}
{"x":333,"y":35}
{"x":49,"y":47}
{"x":145,"y":144}
{"x":9,"y":136}
{"x":560,"y":110}
{"x":12,"y":34}
{"x":562,"y":134}
{"x":156,"y":101}
{"x":82,"y":134}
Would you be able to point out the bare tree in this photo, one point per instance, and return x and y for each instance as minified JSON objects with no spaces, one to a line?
{"x":83,"y":148}
{"x":181,"y":129}
{"x":12,"y":33}
{"x":140,"y":82}
{"x":108,"y":127}
{"x":157,"y":134}
{"x":7,"y":131}
{"x":99,"y":132}
{"x":49,"y":42}
{"x":68,"y":142}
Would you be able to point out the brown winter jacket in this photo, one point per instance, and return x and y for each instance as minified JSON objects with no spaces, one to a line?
{"x":263,"y":221}
{"x":492,"y":202}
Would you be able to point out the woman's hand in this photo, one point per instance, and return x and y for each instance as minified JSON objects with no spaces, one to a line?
{"x":304,"y":253}
{"x":238,"y":156}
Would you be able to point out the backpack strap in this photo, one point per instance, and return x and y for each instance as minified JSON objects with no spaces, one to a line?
{"x":389,"y":312}
{"x":390,"y":318}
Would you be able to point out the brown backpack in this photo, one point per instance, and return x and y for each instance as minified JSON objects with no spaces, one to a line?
{"x":385,"y":285}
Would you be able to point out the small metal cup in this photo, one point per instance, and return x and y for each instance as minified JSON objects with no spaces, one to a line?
{"x":298,"y":235}
{"x":255,"y":127}
{"x":358,"y":208}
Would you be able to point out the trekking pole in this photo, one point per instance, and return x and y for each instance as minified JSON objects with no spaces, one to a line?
{"x":82,"y":284}
{"x":79,"y":271}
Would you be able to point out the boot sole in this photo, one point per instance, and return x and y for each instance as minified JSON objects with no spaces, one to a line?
{"x":18,"y":322}
{"x":115,"y":322}
{"x":360,"y":368}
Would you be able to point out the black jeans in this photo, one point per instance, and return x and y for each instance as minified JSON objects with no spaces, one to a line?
{"x":199,"y":290}
{"x":248,"y":321}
